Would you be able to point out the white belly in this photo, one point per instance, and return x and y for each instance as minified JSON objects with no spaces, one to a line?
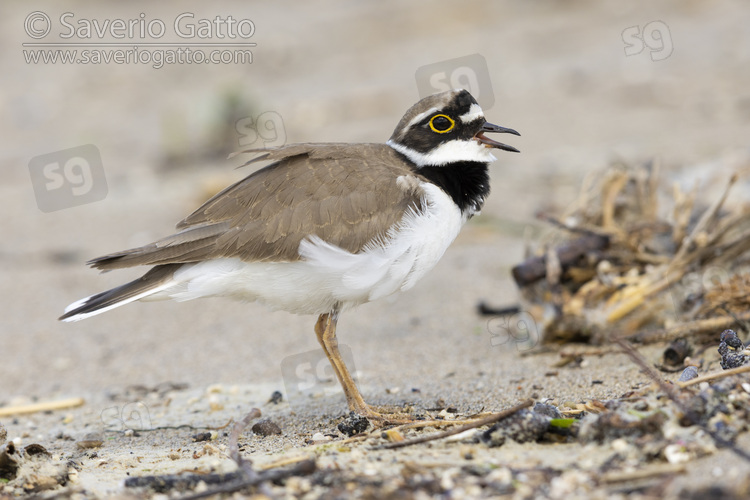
{"x":328,"y":275}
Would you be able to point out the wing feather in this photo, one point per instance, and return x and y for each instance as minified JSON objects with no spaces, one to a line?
{"x":311,"y":190}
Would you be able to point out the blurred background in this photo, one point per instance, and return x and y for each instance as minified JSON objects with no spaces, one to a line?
{"x":585,"y":83}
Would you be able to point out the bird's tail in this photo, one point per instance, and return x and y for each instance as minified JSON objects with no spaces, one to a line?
{"x":155,"y":280}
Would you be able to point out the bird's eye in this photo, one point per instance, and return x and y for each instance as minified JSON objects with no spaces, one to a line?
{"x":442,"y":124}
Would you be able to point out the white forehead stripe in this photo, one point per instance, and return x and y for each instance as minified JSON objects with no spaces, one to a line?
{"x":421,"y":116}
{"x":474,"y":112}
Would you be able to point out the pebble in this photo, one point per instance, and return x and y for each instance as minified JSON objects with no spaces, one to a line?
{"x":688,"y":373}
{"x":353,"y":424}
{"x":276,"y":397}
{"x":266,"y":427}
{"x":547,"y":409}
{"x":730,"y":350}
{"x":677,"y":454}
{"x":201,"y":436}
{"x":319,"y":437}
{"x":522,"y":427}
{"x":90,"y":441}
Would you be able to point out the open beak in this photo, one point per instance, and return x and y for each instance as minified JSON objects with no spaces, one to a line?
{"x":488,"y":127}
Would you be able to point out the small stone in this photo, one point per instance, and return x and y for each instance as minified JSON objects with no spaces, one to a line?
{"x":675,"y":354}
{"x":730,"y":350}
{"x":677,"y":454}
{"x":88,"y":444}
{"x":547,"y":409}
{"x":394,"y":436}
{"x":276,"y":397}
{"x":730,"y":338}
{"x":39,"y":482}
{"x":522,"y":427}
{"x":210,"y":449}
{"x":201,"y":436}
{"x":688,"y":373}
{"x":319,"y":437}
{"x":353,"y":424}
{"x":266,"y":428}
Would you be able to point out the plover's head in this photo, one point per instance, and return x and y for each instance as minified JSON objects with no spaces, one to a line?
{"x":446,"y":128}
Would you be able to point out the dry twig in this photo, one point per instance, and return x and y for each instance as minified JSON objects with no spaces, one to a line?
{"x":43,"y":406}
{"x":457,"y":430}
{"x":715,"y":376}
{"x":688,"y":329}
{"x":671,"y":393}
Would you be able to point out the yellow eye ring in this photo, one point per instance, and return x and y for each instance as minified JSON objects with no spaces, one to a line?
{"x":435,"y":129}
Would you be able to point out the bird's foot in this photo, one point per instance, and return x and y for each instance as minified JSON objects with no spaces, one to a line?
{"x":381,"y":416}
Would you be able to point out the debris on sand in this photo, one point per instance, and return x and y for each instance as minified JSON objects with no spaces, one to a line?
{"x":276,"y":398}
{"x":675,"y":354}
{"x":266,"y":427}
{"x":353,"y":424}
{"x":30,"y":470}
{"x":688,"y":373}
{"x":522,"y":427}
{"x":618,"y":263}
{"x":732,"y":350}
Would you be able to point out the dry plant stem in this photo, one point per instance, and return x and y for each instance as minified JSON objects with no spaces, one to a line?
{"x":678,"y":266}
{"x":702,"y":224}
{"x":637,"y":295}
{"x":671,"y":393}
{"x":688,"y":329}
{"x":715,"y":376}
{"x":730,"y":251}
{"x":43,"y":406}
{"x":283,"y":462}
{"x":586,"y":350}
{"x":657,"y":470}
{"x":302,"y":468}
{"x":726,"y":225}
{"x":582,"y":229}
{"x":612,"y":189}
{"x":647,"y":189}
{"x":234,"y":436}
{"x":457,"y":430}
{"x":248,"y":475}
{"x":683,"y":208}
{"x":419,"y":424}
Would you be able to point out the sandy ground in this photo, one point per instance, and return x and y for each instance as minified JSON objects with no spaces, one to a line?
{"x":333,"y":72}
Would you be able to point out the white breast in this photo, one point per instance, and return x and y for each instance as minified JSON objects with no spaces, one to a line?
{"x":328,"y":275}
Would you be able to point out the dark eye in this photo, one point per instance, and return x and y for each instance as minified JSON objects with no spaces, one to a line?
{"x":442,"y":124}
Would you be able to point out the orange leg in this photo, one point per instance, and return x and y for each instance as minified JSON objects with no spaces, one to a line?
{"x":325,"y":329}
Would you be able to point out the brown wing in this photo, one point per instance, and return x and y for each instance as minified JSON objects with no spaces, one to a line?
{"x":346,"y":194}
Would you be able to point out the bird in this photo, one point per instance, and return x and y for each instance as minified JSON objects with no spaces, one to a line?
{"x":324,"y":227}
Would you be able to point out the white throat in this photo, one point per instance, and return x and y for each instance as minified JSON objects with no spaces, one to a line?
{"x":448,"y":152}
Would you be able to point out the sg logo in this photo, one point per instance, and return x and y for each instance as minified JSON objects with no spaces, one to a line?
{"x":655,"y":36}
{"x":520,"y":329}
{"x":692,"y":286}
{"x":268,"y":128}
{"x":68,"y":178}
{"x":311,"y":373}
{"x":468,"y":72}
{"x":133,"y":416}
